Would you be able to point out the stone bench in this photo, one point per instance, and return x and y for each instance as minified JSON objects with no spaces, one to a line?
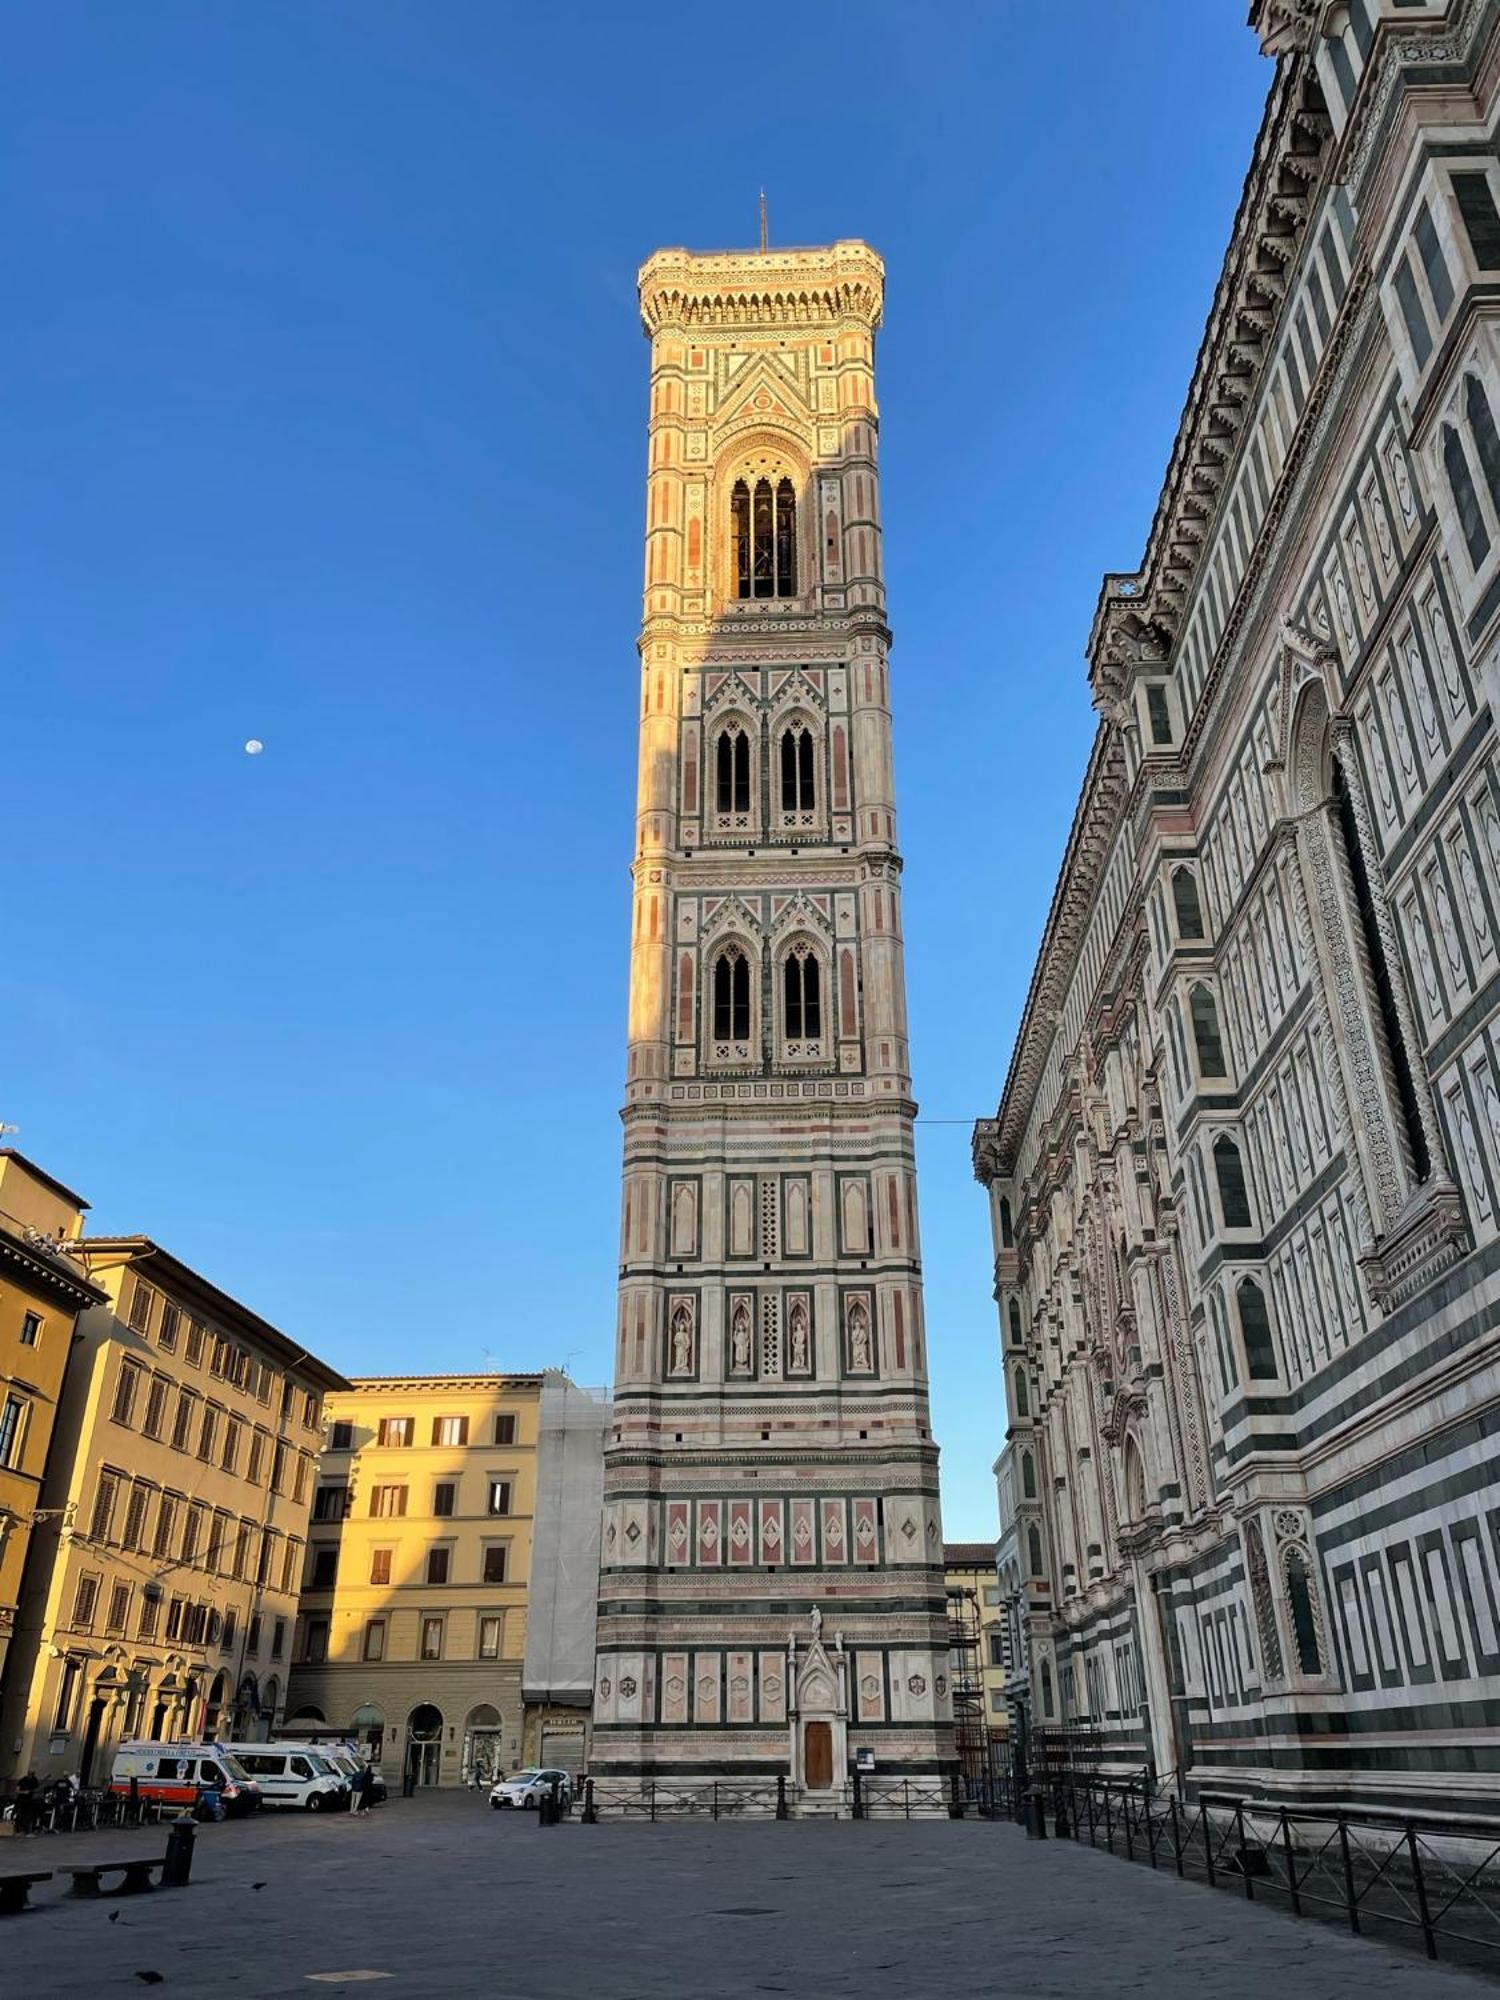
{"x":15,"y":1889}
{"x":136,"y":1876}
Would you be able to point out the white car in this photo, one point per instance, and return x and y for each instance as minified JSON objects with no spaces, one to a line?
{"x":526,"y":1788}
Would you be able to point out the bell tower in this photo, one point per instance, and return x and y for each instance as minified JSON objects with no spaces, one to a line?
{"x":771,"y":1591}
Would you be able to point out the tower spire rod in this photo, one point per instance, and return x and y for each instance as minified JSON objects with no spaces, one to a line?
{"x":764,"y":234}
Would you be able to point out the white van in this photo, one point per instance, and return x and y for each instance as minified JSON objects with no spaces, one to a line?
{"x":294,"y":1777}
{"x":176,"y":1774}
{"x":347,"y":1758}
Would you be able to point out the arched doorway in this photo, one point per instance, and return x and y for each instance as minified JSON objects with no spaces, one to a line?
{"x":307,"y":1713}
{"x":213,"y":1712}
{"x":482,"y":1745}
{"x":369,"y":1727}
{"x":424,"y":1745}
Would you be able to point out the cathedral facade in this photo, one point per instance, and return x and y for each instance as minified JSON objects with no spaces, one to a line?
{"x":771,"y":1587}
{"x":1245,"y":1171}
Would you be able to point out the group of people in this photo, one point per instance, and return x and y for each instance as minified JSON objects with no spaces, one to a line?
{"x":36,"y":1802}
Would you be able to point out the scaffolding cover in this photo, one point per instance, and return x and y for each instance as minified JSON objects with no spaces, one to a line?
{"x":564,"y":1589}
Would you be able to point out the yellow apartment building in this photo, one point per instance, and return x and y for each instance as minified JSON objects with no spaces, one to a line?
{"x":975,"y":1623}
{"x":42,"y":1291}
{"x":160,"y":1590}
{"x":413,"y":1621}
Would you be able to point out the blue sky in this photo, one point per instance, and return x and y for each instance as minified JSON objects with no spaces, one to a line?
{"x":325,"y":426}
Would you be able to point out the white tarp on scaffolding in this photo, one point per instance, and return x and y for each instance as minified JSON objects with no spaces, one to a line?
{"x":564,"y":1590}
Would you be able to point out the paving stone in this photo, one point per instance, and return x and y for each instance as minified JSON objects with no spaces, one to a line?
{"x":445,"y":1897}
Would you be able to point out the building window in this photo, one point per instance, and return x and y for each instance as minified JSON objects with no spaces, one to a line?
{"x":1476,"y":205}
{"x":278,"y":1639}
{"x":732,"y":772}
{"x":192,"y":1534}
{"x":1022,"y":1401}
{"x":731,"y":996}
{"x":1158,"y":713}
{"x":1204,"y":1014}
{"x":196,"y":1335}
{"x":315,"y":1641}
{"x":341,"y":1436}
{"x":802,"y":996}
{"x":1433,"y":262}
{"x":231,"y":1444}
{"x":1028,"y":1476}
{"x":1380,"y":973}
{"x":1304,"y":1619}
{"x":444,"y":1496}
{"x":299,"y":1476}
{"x":494,"y":1564}
{"x":1465,"y":498}
{"x":438,"y":1561}
{"x":255,"y":1463}
{"x":489,"y":1638}
{"x":1255,"y":1331}
{"x":1409,"y":300}
{"x":126,"y":1384}
{"x":374,"y":1646}
{"x":207,"y":1432}
{"x":278,"y":1466}
{"x":135,"y":1517}
{"x":67,"y":1689}
{"x":505,"y":1428}
{"x":31,"y":1328}
{"x":499,"y":1496}
{"x":241,"y":1550}
{"x":1185,"y":903}
{"x":1234,"y":1196}
{"x":432,"y":1638}
{"x":450,"y":1431}
{"x":141,"y":1300}
{"x":380,"y":1565}
{"x":231,"y":1625}
{"x":1013,"y":1318}
{"x":394,"y":1431}
{"x":763,"y":528}
{"x":12,"y":1430}
{"x":1034,"y":1550}
{"x":797,"y":794}
{"x":166,"y":1522}
{"x":104,"y":1506}
{"x":166,"y":1333}
{"x":119,"y":1609}
{"x":84,"y":1603}
{"x":1482,"y":424}
{"x":325,"y":1566}
{"x":182,"y":1423}
{"x":330,"y":1503}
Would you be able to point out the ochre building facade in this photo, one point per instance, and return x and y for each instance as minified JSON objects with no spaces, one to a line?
{"x":771,"y":1593}
{"x":1245,"y":1173}
{"x":161,"y":1583}
{"x":412,"y":1626}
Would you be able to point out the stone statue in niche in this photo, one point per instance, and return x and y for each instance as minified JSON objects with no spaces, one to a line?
{"x":739,"y":1340}
{"x":682,"y":1341}
{"x":859,"y":1338}
{"x":800,"y":1349}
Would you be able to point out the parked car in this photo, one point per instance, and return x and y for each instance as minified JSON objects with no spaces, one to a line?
{"x":304,"y":1778}
{"x":180,"y":1774}
{"x":526,"y":1788}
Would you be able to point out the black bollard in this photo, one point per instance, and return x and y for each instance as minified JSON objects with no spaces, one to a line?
{"x":178,"y":1866}
{"x":590,"y":1815}
{"x":1036,"y":1816}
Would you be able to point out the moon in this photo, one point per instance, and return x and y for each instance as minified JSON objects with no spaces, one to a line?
{"x":254,"y":747}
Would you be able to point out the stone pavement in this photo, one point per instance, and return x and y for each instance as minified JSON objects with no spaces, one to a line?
{"x":446,"y":1897}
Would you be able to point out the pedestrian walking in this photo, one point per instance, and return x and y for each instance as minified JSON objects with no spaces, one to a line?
{"x":364,"y":1778}
{"x":25,"y":1821}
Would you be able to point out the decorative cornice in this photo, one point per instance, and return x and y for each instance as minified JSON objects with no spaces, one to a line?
{"x":1286,"y":27}
{"x":743,"y":288}
{"x":1139,"y":616}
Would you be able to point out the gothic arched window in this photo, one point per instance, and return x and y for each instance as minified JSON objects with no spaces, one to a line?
{"x":797,"y":771}
{"x":732,"y":772}
{"x":1028,"y":1476}
{"x":1206,"y":1037}
{"x":1014,"y":1317}
{"x":731,"y":996}
{"x":1007,"y":1232}
{"x":1234,"y":1196}
{"x":1022,"y":1400}
{"x":1465,"y":498}
{"x":1380,"y":974}
{"x":763,"y":530}
{"x":802,"y":996}
{"x":1255,"y":1330}
{"x":1185,"y":902}
{"x":1482,"y":424}
{"x":1304,"y":1618}
{"x":1034,"y":1549}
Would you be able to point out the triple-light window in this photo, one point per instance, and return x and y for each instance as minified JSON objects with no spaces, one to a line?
{"x":763,"y":530}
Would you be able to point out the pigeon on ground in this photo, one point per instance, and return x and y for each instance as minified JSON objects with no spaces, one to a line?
{"x":114,"y":1916}
{"x":257,"y":1885}
{"x":152,"y":1978}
